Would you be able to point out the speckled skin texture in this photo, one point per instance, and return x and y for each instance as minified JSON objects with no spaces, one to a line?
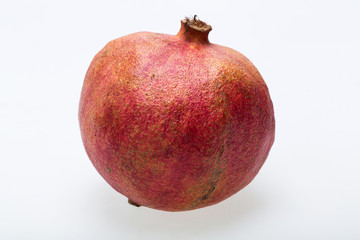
{"x":174,"y":122}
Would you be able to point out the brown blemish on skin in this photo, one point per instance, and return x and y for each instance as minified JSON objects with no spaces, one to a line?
{"x":215,"y":177}
{"x":213,"y":181}
{"x":207,"y":195}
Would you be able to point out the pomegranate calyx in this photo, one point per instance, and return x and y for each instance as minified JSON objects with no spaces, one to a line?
{"x":194,"y":30}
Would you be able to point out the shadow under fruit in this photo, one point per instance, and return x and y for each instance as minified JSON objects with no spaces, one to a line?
{"x":174,"y":122}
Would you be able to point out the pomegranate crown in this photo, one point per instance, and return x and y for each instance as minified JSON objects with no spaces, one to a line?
{"x":197,"y":24}
{"x":194,"y":30}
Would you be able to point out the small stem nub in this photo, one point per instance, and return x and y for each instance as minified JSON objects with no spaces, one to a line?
{"x":131,"y":202}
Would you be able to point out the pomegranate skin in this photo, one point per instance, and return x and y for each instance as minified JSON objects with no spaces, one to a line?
{"x":174,"y":122}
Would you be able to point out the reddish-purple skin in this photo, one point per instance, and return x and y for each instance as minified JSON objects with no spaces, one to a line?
{"x":174,"y":123}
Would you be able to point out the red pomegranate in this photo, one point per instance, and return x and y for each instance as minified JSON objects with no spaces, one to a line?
{"x":174,"y":122}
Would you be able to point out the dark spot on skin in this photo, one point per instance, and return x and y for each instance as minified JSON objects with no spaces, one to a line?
{"x":168,"y":151}
{"x":207,"y":195}
{"x":222,"y":151}
{"x":153,"y":75}
{"x":108,"y":170}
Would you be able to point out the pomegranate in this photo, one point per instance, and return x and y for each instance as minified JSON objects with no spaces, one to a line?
{"x":174,"y":122}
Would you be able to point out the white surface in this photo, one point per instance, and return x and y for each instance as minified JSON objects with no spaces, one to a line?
{"x":308,"y":53}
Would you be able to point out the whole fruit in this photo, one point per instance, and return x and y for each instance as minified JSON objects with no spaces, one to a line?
{"x":174,"y":122}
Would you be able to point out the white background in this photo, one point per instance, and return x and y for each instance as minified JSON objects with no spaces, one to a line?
{"x":308,"y":53}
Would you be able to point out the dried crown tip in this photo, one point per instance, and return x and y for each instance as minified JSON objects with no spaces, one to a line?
{"x":197,"y":24}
